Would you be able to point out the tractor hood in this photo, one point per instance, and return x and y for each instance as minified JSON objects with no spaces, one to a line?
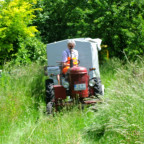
{"x":78,"y":70}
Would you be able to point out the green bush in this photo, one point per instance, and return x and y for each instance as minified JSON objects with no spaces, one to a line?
{"x":17,"y":34}
{"x":31,"y":50}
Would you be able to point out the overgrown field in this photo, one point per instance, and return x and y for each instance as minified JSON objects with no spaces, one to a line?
{"x":119,"y":119}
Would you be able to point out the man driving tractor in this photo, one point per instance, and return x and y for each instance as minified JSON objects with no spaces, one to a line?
{"x":69,"y":53}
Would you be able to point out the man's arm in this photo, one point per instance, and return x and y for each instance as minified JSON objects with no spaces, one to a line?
{"x":64,"y":64}
{"x":64,"y":59}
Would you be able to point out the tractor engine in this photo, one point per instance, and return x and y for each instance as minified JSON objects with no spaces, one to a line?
{"x":78,"y":79}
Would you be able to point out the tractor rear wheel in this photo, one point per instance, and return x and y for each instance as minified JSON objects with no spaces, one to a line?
{"x":49,"y":94}
{"x":49,"y":108}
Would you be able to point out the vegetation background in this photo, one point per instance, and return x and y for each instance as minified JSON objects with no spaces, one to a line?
{"x":26,"y":26}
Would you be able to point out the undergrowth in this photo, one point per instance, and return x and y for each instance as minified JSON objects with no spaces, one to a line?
{"x":119,"y":119}
{"x":21,"y":94}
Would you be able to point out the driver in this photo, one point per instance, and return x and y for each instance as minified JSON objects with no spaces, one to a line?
{"x":66,"y":56}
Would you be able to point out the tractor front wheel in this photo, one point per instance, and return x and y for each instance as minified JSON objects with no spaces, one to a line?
{"x":98,"y":87}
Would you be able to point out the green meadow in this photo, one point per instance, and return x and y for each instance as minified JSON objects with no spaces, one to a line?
{"x":119,"y":119}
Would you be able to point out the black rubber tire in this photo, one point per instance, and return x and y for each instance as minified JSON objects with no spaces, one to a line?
{"x":49,"y":90}
{"x":49,"y":108}
{"x":97,"y":87}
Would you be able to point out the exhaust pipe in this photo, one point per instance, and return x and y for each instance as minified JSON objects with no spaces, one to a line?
{"x":71,"y":60}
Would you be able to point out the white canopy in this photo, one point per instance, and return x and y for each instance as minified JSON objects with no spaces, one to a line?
{"x":88,"y":53}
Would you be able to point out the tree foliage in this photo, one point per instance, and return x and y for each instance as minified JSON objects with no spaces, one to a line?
{"x":15,"y":27}
{"x":122,"y":25}
{"x":118,"y":23}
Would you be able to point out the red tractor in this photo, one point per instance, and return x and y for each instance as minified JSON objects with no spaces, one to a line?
{"x":77,"y":85}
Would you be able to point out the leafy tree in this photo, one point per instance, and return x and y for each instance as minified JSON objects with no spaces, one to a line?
{"x":15,"y":27}
{"x":30,"y":49}
{"x":61,"y":19}
{"x":118,"y":23}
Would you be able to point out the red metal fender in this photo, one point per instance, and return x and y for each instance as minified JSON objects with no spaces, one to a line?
{"x":60,"y":92}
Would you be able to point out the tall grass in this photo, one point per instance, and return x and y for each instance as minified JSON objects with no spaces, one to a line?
{"x":119,"y":119}
{"x":21,"y":92}
{"x":22,"y":105}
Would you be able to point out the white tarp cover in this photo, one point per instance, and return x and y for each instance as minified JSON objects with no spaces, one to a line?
{"x":88,"y":53}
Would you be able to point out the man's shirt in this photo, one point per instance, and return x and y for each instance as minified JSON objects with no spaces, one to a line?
{"x":66,"y":54}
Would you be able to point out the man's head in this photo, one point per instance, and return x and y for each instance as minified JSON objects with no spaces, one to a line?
{"x":71,"y":44}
